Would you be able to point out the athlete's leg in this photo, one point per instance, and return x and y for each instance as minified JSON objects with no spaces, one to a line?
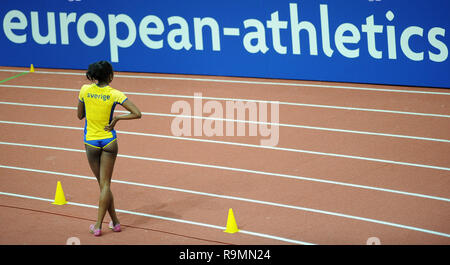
{"x":93,"y":155}
{"x":112,"y":147}
{"x":106,"y":201}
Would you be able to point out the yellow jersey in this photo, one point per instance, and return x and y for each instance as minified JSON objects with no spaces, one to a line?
{"x":99,"y":104}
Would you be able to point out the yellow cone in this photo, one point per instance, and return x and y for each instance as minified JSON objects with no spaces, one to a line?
{"x":231,"y":223}
{"x":31,"y":68}
{"x":60,"y":199}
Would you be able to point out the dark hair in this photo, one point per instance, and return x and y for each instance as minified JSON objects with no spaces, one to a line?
{"x":101,"y":71}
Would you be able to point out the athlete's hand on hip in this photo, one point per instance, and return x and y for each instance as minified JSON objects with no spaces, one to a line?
{"x":110,"y":127}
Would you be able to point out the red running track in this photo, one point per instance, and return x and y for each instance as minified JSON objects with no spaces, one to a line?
{"x":384,"y":174}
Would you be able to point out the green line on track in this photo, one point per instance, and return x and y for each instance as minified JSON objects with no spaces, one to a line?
{"x":12,"y":77}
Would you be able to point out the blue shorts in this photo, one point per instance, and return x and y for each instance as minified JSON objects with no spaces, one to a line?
{"x":100,"y":143}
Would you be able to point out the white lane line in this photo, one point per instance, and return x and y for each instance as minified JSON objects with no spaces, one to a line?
{"x":163,"y":218}
{"x":264,"y":202}
{"x":246,"y":100}
{"x":249,"y":122}
{"x":246,"y":82}
{"x":333,"y":155}
{"x":164,"y":136}
{"x":37,"y":105}
{"x":301,"y":127}
{"x":252,"y":172}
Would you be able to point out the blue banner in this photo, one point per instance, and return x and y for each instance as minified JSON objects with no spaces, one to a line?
{"x":399,"y":42}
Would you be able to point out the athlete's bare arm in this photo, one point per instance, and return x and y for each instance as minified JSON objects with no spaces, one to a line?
{"x":135,"y":113}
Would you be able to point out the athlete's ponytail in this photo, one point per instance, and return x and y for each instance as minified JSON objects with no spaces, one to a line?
{"x":101,"y":71}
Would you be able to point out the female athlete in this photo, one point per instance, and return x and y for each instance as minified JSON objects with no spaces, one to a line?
{"x":96,"y":104}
